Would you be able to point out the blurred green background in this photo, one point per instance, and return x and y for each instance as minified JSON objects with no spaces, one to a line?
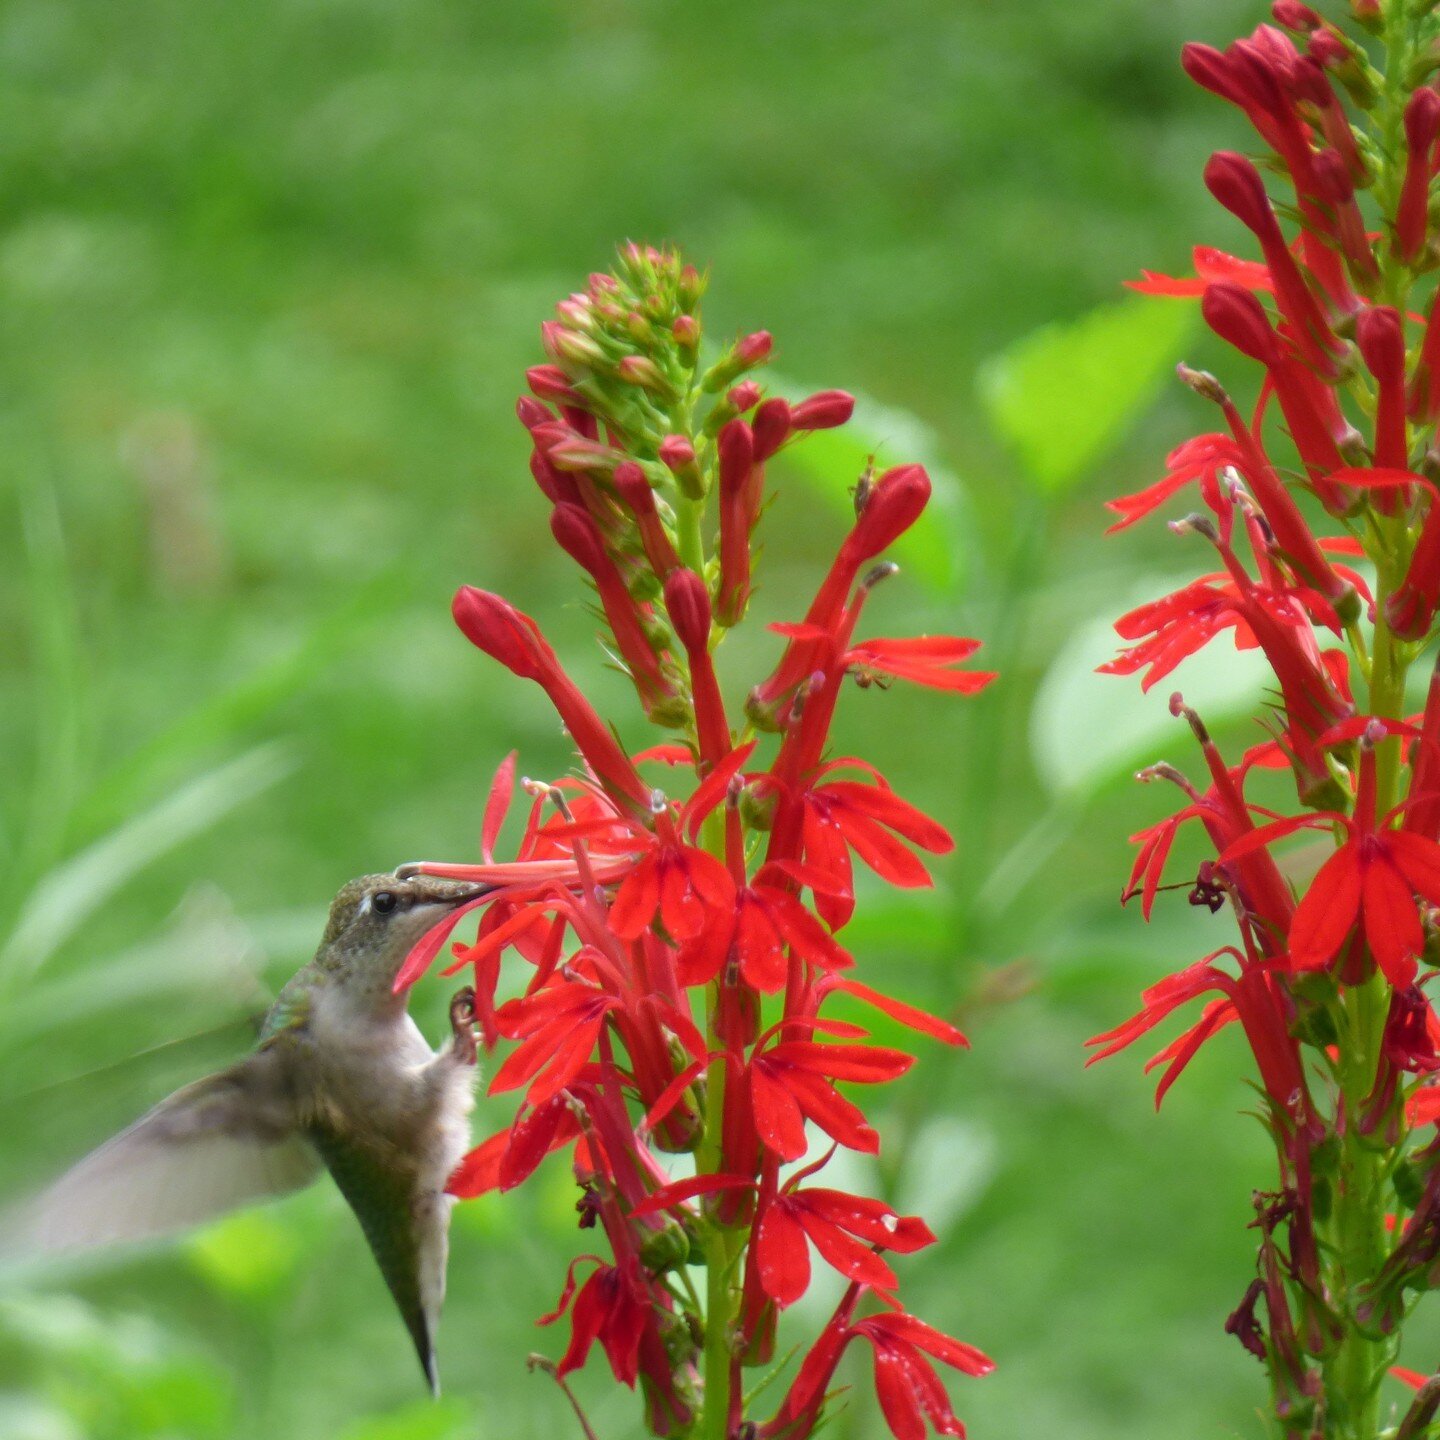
{"x":269,"y":276}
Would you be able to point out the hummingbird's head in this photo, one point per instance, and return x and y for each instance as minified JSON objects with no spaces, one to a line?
{"x":380,"y":917}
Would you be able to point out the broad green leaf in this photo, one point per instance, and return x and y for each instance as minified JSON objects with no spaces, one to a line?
{"x":1065,"y":394}
{"x":934,"y":549}
{"x":1086,"y":728}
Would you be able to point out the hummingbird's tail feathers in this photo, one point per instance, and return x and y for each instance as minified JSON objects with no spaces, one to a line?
{"x":406,"y":1231}
{"x":217,"y":1144}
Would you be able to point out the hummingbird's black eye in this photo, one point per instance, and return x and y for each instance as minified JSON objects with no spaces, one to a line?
{"x":382,"y":902}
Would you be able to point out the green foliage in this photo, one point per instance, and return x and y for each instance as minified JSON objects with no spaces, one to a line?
{"x":1066,"y":394}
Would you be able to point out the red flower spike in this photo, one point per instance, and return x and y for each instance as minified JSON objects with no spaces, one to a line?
{"x":1422,"y":128}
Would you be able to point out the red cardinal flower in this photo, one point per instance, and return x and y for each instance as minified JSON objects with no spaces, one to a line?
{"x":1372,"y":879}
{"x":793,"y":1081}
{"x":847,"y":1230}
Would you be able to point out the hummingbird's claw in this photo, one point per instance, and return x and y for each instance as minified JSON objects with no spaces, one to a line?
{"x":462,"y":1023}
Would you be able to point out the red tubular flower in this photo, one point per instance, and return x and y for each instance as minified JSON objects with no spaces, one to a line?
{"x":681,"y":886}
{"x":558,"y":1026}
{"x":688,"y":604}
{"x":1237,"y":185}
{"x":577,"y":534}
{"x":1410,"y":609}
{"x":1211,"y":265}
{"x":894,"y":503}
{"x":872,"y":820}
{"x":1382,"y":344}
{"x":634,"y":489}
{"x":513,"y":638}
{"x":741,"y":480}
{"x":1422,"y":128}
{"x":1238,"y":317}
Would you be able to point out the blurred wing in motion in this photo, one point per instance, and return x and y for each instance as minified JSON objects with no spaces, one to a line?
{"x":214,"y":1145}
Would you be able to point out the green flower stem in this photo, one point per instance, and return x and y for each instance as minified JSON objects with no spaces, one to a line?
{"x":1357,"y":1237}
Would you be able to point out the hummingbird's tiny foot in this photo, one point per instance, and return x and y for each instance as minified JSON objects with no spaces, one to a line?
{"x":462,"y":1023}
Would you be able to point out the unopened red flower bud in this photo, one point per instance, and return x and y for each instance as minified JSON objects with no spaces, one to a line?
{"x":641,"y":370}
{"x":771,"y":426}
{"x":896,"y":502}
{"x":686,"y":331}
{"x":577,"y":535}
{"x":1368,"y":12}
{"x":1295,"y":16}
{"x":533,"y":413}
{"x":1422,"y":126}
{"x":501,"y":631}
{"x":755,"y":349}
{"x":566,"y":346}
{"x":554,"y":484}
{"x":1235,"y":182}
{"x":1237,"y":317}
{"x":1329,"y":49}
{"x":677,"y":454}
{"x":602,"y":284}
{"x":550,"y":382}
{"x":744,"y":355}
{"x":689,"y":286}
{"x":823,"y":411}
{"x":1210,"y":69}
{"x":1381,"y":339}
{"x":687,"y":602}
{"x":744,"y":396}
{"x":576,"y":312}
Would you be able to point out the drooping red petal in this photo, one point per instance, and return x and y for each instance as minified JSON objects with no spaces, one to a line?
{"x":497,"y":805}
{"x":1328,"y":909}
{"x":782,"y":1257}
{"x":1392,"y":923}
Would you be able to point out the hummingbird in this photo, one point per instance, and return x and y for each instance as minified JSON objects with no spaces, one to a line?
{"x":341,"y":1079}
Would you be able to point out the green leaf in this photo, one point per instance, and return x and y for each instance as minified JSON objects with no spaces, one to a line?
{"x":1086,"y":728}
{"x":1065,"y":394}
{"x":72,"y":891}
{"x":934,"y":550}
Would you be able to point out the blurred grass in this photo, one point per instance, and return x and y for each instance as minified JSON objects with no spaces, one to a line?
{"x":268,"y":277}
